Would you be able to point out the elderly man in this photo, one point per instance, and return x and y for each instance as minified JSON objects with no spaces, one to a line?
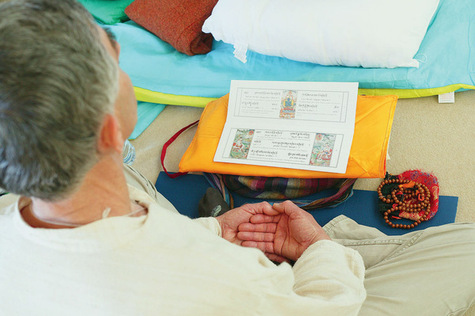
{"x":80,"y":240}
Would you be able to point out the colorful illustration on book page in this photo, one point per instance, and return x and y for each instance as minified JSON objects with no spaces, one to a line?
{"x":288,"y":104}
{"x":322,"y":149}
{"x":242,"y":142}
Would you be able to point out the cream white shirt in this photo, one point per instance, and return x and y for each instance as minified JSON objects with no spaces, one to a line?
{"x":164,"y":263}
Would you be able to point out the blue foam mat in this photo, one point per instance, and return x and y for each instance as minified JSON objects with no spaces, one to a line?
{"x":186,"y":191}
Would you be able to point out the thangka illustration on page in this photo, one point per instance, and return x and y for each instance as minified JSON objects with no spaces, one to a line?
{"x":299,"y":125}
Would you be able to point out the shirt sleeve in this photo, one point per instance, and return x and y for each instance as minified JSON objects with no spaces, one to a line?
{"x":333,"y":275}
{"x":328,"y":279}
{"x":209,"y":223}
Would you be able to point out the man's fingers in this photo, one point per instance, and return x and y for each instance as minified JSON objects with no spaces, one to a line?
{"x":257,"y":237}
{"x":262,"y":218}
{"x":265,"y":227}
{"x":266,"y":247}
{"x":281,"y":207}
{"x":287,"y":207}
{"x":259,"y":208}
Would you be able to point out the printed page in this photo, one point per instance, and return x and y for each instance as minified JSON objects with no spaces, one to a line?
{"x":300,"y":125}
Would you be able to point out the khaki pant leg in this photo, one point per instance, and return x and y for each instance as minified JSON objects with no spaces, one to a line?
{"x":428,"y":272}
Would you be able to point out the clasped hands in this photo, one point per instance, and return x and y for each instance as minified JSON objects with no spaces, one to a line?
{"x":283,"y":231}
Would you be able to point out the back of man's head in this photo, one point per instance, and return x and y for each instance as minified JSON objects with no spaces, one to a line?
{"x":57,"y":81}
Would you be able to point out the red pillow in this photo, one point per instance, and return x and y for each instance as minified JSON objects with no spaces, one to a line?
{"x":177,"y":22}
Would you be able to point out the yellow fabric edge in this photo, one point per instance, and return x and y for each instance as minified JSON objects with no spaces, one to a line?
{"x":416,"y":93}
{"x":170,"y":99}
{"x":164,"y":98}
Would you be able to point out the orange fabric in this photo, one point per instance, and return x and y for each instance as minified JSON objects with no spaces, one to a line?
{"x":374,"y":117}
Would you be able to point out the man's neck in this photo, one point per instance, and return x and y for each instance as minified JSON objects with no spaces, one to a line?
{"x":104,"y":187}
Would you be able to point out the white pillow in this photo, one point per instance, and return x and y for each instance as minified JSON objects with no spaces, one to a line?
{"x":366,"y":33}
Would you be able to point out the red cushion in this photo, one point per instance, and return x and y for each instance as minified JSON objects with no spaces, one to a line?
{"x":177,"y":22}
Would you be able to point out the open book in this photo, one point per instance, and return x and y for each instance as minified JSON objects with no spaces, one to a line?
{"x":298,"y":125}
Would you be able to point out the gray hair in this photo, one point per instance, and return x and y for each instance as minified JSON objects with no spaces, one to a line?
{"x":57,"y":81}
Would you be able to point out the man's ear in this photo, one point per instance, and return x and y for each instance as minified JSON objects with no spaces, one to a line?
{"x":110,"y":137}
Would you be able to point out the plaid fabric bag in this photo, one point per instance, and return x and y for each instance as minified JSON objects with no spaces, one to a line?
{"x":275,"y":188}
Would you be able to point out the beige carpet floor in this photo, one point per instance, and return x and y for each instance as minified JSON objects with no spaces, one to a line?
{"x":426,"y":135}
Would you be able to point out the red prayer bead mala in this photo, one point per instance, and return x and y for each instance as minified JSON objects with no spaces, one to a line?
{"x":408,"y":196}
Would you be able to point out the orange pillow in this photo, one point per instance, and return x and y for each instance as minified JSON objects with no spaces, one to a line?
{"x":374,"y":117}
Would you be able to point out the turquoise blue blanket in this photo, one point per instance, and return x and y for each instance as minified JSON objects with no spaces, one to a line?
{"x":163,"y":75}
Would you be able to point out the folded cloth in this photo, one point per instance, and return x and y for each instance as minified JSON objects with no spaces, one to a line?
{"x":177,"y":22}
{"x":374,"y":117}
